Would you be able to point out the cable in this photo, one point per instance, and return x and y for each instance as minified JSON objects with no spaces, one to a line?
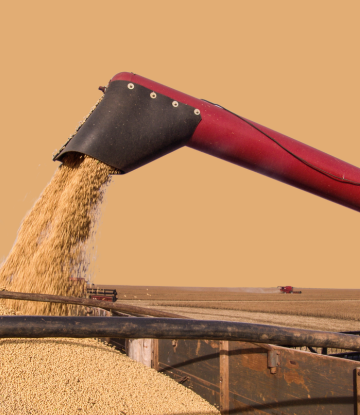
{"x":318,"y":169}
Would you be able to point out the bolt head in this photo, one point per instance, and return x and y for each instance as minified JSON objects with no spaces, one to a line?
{"x":153,"y":95}
{"x":131,"y":86}
{"x":175,"y":104}
{"x":197,"y":112}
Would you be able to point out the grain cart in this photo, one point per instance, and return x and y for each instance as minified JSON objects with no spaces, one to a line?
{"x":102,"y":294}
{"x":239,"y":367}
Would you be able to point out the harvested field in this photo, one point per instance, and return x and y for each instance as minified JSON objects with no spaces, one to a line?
{"x":286,"y":320}
{"x":341,"y":310}
{"x":229,"y":294}
{"x":317,"y":309}
{"x":85,"y":376}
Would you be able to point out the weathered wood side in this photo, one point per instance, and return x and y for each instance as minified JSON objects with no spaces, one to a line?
{"x":357,"y":390}
{"x":205,"y":389}
{"x":147,"y":352}
{"x":224,"y":377}
{"x":304,"y":383}
{"x":155,"y":354}
{"x":195,"y":364}
{"x":196,"y":357}
{"x":140,"y":350}
{"x":288,"y":382}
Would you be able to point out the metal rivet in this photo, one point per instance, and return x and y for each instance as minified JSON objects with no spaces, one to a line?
{"x":197,"y":112}
{"x":175,"y":104}
{"x":131,"y":86}
{"x":153,"y":95}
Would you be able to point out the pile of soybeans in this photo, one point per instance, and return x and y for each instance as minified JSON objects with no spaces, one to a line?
{"x":61,"y":375}
{"x":84,"y":376}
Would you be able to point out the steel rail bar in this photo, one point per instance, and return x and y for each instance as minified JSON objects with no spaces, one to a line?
{"x":106,"y":305}
{"x":169,"y":328}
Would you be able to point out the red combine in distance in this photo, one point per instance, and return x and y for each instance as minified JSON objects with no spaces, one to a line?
{"x":288,"y":289}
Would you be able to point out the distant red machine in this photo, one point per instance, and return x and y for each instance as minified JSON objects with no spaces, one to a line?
{"x":102,"y":294}
{"x":288,"y":289}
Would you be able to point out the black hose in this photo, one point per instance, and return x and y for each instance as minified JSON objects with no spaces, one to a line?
{"x":169,"y":328}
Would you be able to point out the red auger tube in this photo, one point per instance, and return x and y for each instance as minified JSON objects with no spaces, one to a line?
{"x":224,"y":135}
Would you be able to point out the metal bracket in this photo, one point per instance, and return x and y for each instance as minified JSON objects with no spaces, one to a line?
{"x":273,"y":357}
{"x":174,"y":344}
{"x":273,"y":360}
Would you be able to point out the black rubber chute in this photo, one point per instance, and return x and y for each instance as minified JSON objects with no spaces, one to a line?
{"x":133,"y":126}
{"x":165,"y":328}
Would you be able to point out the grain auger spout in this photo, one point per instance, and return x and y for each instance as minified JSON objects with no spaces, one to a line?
{"x":139,"y":120}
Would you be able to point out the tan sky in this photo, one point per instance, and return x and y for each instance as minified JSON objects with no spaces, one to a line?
{"x":189,"y":219}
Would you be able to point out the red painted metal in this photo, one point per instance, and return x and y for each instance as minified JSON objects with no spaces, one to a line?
{"x":223,"y":135}
{"x":288,"y":289}
{"x":101,"y":297}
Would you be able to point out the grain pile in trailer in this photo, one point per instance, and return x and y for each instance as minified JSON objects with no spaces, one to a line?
{"x":69,"y":376}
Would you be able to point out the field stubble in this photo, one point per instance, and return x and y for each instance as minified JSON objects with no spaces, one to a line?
{"x":318,"y":309}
